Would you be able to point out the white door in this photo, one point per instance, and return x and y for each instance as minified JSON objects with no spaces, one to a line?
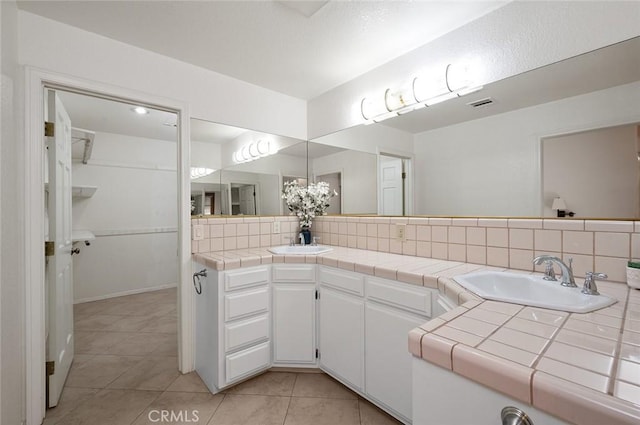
{"x":342,"y":337}
{"x":391,"y":186}
{"x":60,"y":291}
{"x":248,"y":200}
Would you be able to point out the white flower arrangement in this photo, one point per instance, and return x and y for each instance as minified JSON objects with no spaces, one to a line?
{"x":307,"y":202}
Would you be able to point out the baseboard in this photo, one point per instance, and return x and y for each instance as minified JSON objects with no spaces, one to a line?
{"x":125,"y":293}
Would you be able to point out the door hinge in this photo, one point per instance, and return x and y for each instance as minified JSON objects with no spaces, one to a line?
{"x":49,"y":129}
{"x":404,"y":175}
{"x":50,"y":367}
{"x":317,"y":353}
{"x":317,"y":295}
{"x":49,"y":248}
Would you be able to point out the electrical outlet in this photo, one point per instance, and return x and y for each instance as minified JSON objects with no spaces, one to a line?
{"x":401,"y":232}
{"x":276,"y":227}
{"x":197,"y":232}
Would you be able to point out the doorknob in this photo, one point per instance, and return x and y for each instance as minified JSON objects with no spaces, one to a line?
{"x":75,"y":251}
{"x":513,"y":416}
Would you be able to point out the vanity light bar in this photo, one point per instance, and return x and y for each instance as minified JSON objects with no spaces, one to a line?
{"x":422,"y":92}
{"x":197,"y":172}
{"x":253,"y":151}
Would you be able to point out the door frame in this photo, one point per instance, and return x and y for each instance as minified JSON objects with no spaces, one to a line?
{"x":35,"y":80}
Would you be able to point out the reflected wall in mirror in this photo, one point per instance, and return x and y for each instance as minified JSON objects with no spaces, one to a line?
{"x":497,"y":160}
{"x":249,"y":169}
{"x":350,"y":173}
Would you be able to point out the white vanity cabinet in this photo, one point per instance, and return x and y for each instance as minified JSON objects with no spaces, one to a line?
{"x":341,"y":316}
{"x":392,"y":310}
{"x":445,"y":398}
{"x":353,"y":326}
{"x":294,"y":315}
{"x":233,"y":326}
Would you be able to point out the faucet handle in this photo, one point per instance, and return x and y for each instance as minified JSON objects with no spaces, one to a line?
{"x":590,"y":287}
{"x":314,"y":240}
{"x":549,"y":273}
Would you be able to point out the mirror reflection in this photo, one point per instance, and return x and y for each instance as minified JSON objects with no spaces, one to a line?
{"x":247,"y":169}
{"x":567,"y":131}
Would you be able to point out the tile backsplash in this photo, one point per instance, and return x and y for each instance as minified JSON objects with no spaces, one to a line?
{"x":595,"y":245}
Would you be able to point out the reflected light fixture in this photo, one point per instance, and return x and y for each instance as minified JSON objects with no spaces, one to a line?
{"x":198,"y":172}
{"x":254,"y":150}
{"x":140,"y":110}
{"x":560,"y":206}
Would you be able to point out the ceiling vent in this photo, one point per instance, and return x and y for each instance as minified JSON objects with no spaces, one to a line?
{"x":481,"y":103}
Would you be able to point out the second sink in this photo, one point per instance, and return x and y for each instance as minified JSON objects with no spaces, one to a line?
{"x":531,"y":290}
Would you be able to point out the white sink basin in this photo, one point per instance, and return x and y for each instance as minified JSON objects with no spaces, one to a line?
{"x":531,"y":290}
{"x":300,"y":249}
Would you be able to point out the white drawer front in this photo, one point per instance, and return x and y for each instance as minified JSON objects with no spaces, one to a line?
{"x":246,"y":332}
{"x":398,"y":295}
{"x":243,"y":278}
{"x":247,"y":361}
{"x":237,"y":305}
{"x":342,"y":280}
{"x":293,"y":273}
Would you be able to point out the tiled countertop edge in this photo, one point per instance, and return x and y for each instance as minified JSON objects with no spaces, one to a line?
{"x":412,"y":270}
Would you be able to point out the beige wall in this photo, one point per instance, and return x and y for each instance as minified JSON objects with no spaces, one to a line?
{"x":596,"y":173}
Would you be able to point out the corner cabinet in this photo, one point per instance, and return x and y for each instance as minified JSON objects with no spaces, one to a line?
{"x":294,"y":315}
{"x":352,"y":326}
{"x":342,"y":318}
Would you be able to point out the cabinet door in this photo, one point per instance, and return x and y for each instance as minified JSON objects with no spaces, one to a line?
{"x":342,"y":336}
{"x":294,"y":324}
{"x":388,"y":368}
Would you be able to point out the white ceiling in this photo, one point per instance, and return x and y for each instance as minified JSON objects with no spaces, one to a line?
{"x":300,"y":48}
{"x":608,"y":67}
{"x":108,"y":116}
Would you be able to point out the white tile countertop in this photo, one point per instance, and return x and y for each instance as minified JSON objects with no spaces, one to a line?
{"x":582,"y":368}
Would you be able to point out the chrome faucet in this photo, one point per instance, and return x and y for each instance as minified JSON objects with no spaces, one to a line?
{"x":590,"y":287}
{"x":301,"y":236}
{"x":567,"y":273}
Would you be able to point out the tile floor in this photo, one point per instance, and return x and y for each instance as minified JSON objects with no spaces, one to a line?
{"x":125,"y":373}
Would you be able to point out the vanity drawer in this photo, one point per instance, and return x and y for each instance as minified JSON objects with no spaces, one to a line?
{"x":293,"y":273}
{"x":413,"y":299}
{"x":246,"y":332}
{"x":342,"y":280}
{"x":247,"y":361}
{"x":246,"y":303}
{"x":244,"y":278}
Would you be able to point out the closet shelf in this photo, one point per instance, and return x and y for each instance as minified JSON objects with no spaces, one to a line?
{"x":82,"y":235}
{"x":83,"y":191}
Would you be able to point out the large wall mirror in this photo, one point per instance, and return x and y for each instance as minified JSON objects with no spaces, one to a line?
{"x":236,"y":171}
{"x":569,"y":130}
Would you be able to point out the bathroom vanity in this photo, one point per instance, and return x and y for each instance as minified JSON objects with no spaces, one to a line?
{"x":349,"y":311}
{"x":351,"y":325}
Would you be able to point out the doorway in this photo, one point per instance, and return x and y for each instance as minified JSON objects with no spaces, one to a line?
{"x":335,"y":183}
{"x":394,"y":185}
{"x":35,"y":83}
{"x":119,"y":204}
